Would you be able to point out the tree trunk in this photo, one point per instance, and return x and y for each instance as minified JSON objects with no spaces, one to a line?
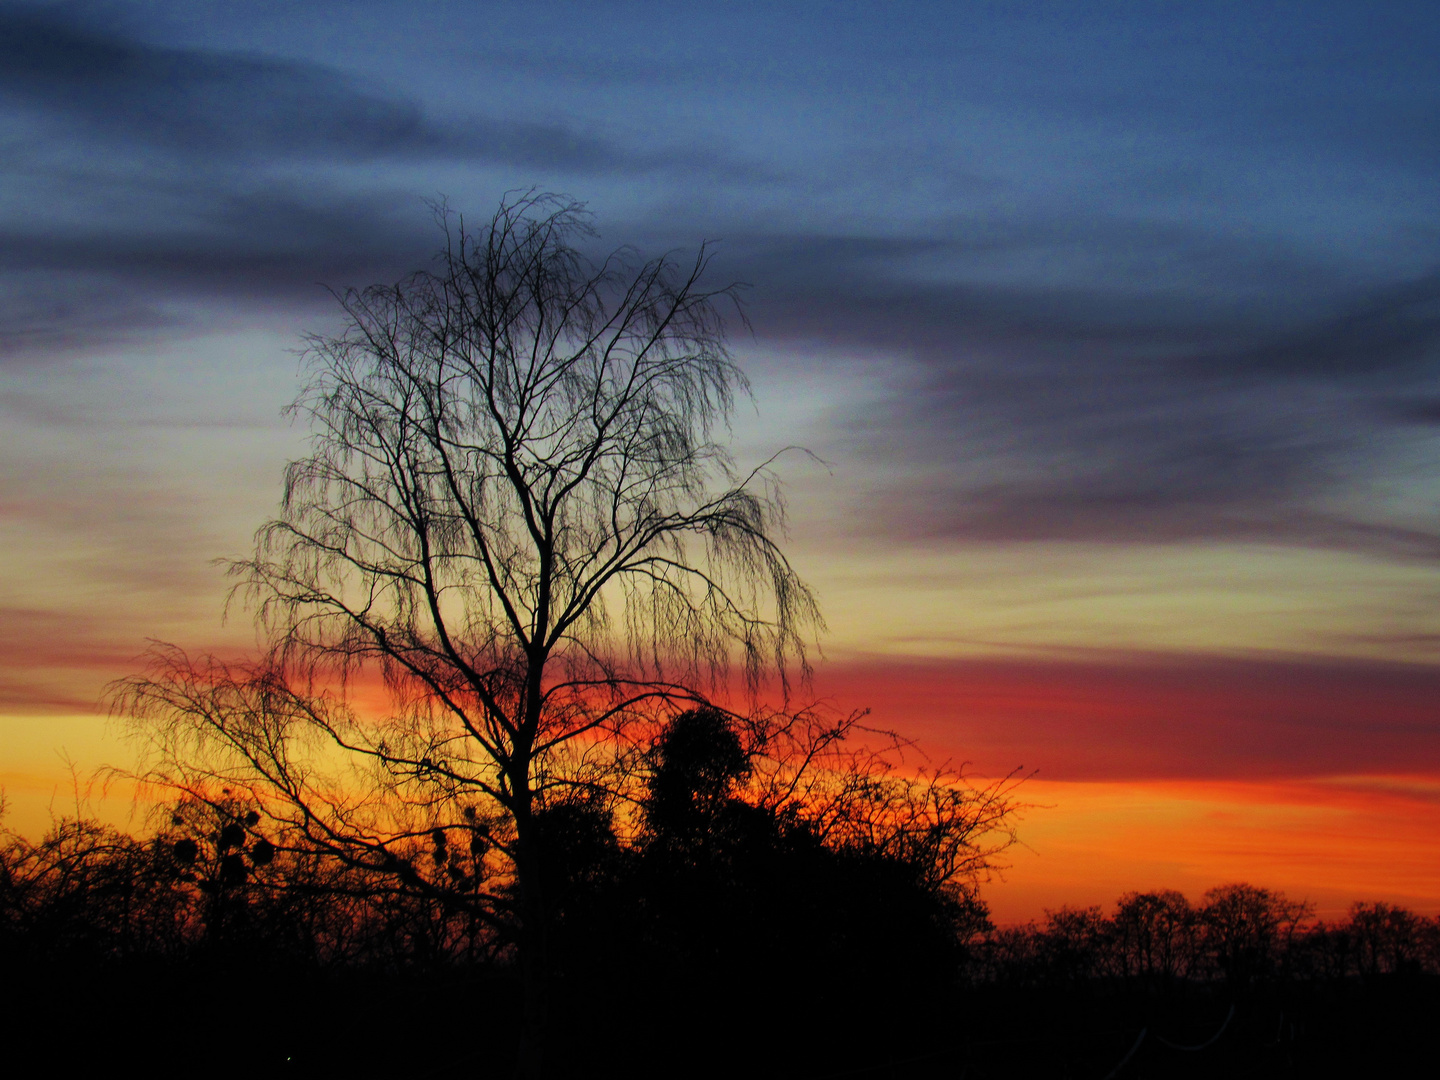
{"x":533,"y":943}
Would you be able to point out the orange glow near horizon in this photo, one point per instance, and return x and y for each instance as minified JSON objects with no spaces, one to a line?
{"x":1314,"y":776}
{"x":1329,"y":841}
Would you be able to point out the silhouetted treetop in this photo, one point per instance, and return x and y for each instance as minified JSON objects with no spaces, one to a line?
{"x":696,"y":764}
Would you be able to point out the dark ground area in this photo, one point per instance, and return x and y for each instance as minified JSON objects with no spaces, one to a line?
{"x":202,"y":1018}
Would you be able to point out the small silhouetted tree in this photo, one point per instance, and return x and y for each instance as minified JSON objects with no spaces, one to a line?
{"x":1387,"y":939}
{"x":1074,"y":943}
{"x":87,"y":892}
{"x":1248,"y":929}
{"x":1155,"y":936}
{"x":696,"y":764}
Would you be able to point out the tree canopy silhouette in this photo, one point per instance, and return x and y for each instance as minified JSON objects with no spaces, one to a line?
{"x":515,"y":512}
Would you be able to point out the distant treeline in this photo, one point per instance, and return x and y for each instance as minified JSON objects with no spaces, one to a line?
{"x":726,"y":934}
{"x":208,"y":883}
{"x":1237,"y":935}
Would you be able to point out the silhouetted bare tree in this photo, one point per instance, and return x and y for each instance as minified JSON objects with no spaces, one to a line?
{"x":1155,"y":936}
{"x":1248,"y":929}
{"x":515,"y":513}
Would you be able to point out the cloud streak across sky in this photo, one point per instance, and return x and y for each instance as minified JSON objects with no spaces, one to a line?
{"x":1100,"y":716}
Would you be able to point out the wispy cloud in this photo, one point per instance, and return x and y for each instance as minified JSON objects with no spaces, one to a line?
{"x":1111,"y":716}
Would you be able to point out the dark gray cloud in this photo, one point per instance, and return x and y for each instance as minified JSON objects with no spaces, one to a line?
{"x":1017,"y":286}
{"x":44,"y":315}
{"x":196,"y":102}
{"x":1424,"y":411}
{"x":259,"y":254}
{"x":117,"y":87}
{"x":267,"y":242}
{"x":1128,"y":409}
{"x":1391,"y":332}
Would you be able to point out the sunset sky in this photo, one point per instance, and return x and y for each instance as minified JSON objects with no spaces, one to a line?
{"x":1116,"y":326}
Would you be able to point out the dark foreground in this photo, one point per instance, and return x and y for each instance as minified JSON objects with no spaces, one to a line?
{"x":208,"y":1019}
{"x":725,"y":938}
